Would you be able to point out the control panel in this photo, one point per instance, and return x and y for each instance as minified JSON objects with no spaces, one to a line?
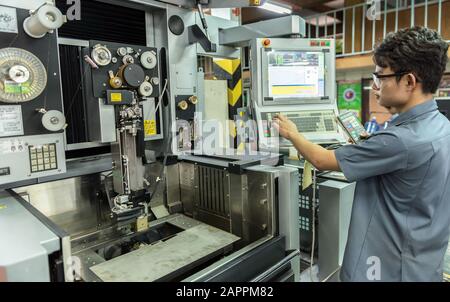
{"x":29,"y":157}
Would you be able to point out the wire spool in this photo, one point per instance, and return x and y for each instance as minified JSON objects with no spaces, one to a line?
{"x":22,"y":76}
{"x":146,"y":89}
{"x":148,"y":60}
{"x":101,"y":55}
{"x":54,"y":120}
{"x":46,"y":19}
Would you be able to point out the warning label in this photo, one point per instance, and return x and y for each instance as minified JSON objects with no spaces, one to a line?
{"x":11,"y":123}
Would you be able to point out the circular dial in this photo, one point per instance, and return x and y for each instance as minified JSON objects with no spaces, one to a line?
{"x":133,"y":75}
{"x":22,"y":75}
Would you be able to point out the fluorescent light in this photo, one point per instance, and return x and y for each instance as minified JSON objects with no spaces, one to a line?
{"x":276,"y":8}
{"x":323,"y":20}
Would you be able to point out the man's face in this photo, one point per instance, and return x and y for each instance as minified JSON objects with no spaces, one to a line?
{"x":391,"y":93}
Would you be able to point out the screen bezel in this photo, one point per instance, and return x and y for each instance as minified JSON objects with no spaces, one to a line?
{"x":291,"y":100}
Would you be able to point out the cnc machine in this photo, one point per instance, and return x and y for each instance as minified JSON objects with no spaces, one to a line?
{"x":99,"y":178}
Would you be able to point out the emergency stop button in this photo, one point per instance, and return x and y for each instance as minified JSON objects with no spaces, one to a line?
{"x":266,"y":42}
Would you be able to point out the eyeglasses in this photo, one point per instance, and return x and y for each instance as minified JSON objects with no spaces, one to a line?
{"x":377,"y":77}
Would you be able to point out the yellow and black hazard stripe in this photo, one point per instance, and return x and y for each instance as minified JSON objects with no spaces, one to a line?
{"x":230,"y":70}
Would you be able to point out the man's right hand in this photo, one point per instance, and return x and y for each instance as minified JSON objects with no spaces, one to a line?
{"x":362,"y":136}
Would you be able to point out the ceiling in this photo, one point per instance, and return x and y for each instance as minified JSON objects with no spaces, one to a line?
{"x":300,"y":7}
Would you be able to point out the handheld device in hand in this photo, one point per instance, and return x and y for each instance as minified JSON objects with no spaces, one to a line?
{"x":351,"y":125}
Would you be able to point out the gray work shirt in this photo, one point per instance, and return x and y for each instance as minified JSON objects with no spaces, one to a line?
{"x":400,"y":221}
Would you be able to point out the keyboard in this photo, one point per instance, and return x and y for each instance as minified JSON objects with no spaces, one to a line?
{"x":313,"y":121}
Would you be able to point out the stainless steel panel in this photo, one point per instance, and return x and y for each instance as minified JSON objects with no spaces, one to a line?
{"x":336,"y":200}
{"x":259,"y":208}
{"x":237,"y":197}
{"x":188,"y":187}
{"x":72,"y":203}
{"x":173,"y":184}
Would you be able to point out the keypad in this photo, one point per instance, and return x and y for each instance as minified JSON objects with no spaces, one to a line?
{"x":43,"y":158}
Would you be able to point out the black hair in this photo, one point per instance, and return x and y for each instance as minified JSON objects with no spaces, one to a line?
{"x":418,"y":50}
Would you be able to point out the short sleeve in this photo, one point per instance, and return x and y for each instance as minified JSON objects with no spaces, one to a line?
{"x":382,"y":153}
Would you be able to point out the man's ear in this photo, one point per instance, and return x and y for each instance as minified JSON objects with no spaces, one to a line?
{"x":411,"y":81}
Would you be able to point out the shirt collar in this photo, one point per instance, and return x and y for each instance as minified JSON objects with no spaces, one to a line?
{"x":416,"y":111}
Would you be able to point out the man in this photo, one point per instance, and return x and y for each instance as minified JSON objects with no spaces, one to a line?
{"x":400,"y":222}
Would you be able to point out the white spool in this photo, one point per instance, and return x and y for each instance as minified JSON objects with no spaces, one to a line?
{"x":42,"y":21}
{"x":54,"y":120}
{"x":146,"y":89}
{"x":148,"y":60}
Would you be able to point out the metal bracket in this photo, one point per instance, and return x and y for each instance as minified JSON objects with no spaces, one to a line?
{"x":196,"y":35}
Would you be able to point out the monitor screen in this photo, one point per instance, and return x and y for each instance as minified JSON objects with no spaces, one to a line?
{"x":296,"y":74}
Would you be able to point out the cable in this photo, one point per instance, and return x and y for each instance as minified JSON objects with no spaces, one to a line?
{"x":166,"y":151}
{"x":330,"y":275}
{"x":105,"y":184}
{"x":161,"y":96}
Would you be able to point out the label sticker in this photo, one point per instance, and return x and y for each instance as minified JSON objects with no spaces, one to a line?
{"x":17,"y":88}
{"x":150,"y":127}
{"x":116,"y":97}
{"x":8,"y":20}
{"x":11,"y":123}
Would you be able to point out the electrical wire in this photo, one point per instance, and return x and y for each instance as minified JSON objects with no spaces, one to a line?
{"x":331,"y":274}
{"x":166,"y":151}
